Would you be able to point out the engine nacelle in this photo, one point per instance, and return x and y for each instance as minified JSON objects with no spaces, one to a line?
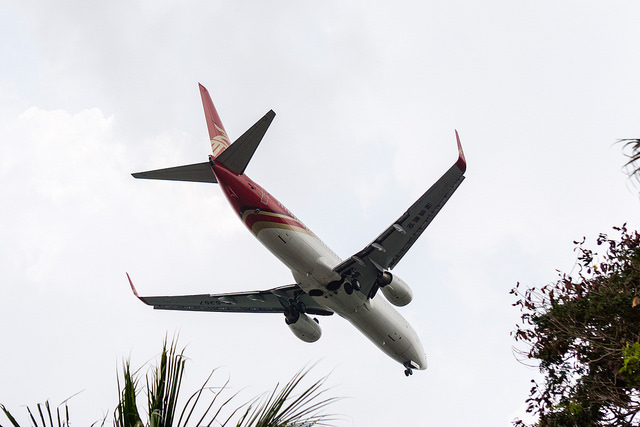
{"x":305,"y":328}
{"x":397,"y":292}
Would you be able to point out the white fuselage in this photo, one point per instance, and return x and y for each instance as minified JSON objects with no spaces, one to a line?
{"x":312,"y":262}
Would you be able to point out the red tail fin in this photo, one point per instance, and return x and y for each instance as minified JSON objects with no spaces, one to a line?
{"x":217,"y":134}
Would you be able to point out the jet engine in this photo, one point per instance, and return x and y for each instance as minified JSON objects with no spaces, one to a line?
{"x":304,"y":327}
{"x":397,"y":292}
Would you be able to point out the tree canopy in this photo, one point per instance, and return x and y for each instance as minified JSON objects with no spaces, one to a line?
{"x":583,"y":332}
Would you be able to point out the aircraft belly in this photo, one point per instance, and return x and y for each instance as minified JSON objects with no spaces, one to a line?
{"x":302,"y":252}
{"x":389,"y":331}
{"x":312,"y":263}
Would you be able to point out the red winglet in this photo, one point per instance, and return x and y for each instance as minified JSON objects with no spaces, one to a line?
{"x":134,"y":290}
{"x":462,"y":162}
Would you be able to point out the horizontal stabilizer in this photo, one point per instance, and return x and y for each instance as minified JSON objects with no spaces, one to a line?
{"x":198,"y":172}
{"x":237,"y":156}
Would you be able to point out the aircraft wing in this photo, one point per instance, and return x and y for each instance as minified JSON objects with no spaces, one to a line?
{"x":267,"y":301}
{"x":390,"y":246}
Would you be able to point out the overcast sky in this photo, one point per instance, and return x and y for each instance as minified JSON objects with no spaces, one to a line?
{"x":367,"y":96}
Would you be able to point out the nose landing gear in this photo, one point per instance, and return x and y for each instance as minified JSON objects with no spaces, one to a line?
{"x":409,"y":368}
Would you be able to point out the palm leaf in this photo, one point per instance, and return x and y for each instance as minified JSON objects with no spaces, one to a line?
{"x":164,"y":389}
{"x":193,"y":400}
{"x":126,"y":413}
{"x":283,"y":408}
{"x":633,"y":165}
{"x":46,"y":417}
{"x":9,"y":416}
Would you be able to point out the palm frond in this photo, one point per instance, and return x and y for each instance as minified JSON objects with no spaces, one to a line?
{"x":193,"y":400}
{"x":45,"y":416}
{"x":283,"y":408}
{"x":126,"y":413}
{"x":164,"y":389}
{"x":9,"y":416}
{"x":632,"y":146}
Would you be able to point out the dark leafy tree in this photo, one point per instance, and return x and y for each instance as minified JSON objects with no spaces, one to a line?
{"x":583,"y":332}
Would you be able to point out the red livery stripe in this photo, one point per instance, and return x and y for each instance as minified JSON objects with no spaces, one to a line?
{"x":257,"y":219}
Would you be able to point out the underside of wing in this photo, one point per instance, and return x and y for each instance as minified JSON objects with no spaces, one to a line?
{"x":198,"y":172}
{"x":390,"y":246}
{"x":237,"y":156}
{"x":267,"y":301}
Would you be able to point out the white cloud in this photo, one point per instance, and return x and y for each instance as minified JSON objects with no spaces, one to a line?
{"x":367,"y":96}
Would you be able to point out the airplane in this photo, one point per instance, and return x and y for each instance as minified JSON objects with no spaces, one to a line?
{"x":324,"y":283}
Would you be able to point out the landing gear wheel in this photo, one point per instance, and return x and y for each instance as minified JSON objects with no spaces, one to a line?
{"x":348,"y":288}
{"x":408,"y":372}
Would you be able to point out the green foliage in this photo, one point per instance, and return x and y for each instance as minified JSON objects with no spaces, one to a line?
{"x":584,"y":335}
{"x":127,"y":411}
{"x":285,"y":406}
{"x":44,"y":417}
{"x":633,"y":165}
{"x":631,"y":364}
{"x":281,"y":409}
{"x":163,"y":391}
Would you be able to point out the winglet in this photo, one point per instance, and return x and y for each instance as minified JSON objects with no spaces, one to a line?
{"x":133,"y":288}
{"x":462,"y":162}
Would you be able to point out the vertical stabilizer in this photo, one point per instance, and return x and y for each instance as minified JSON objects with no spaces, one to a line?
{"x":217,"y":134}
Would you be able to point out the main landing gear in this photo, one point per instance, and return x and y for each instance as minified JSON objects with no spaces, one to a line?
{"x":349,"y":287}
{"x":293,"y":311}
